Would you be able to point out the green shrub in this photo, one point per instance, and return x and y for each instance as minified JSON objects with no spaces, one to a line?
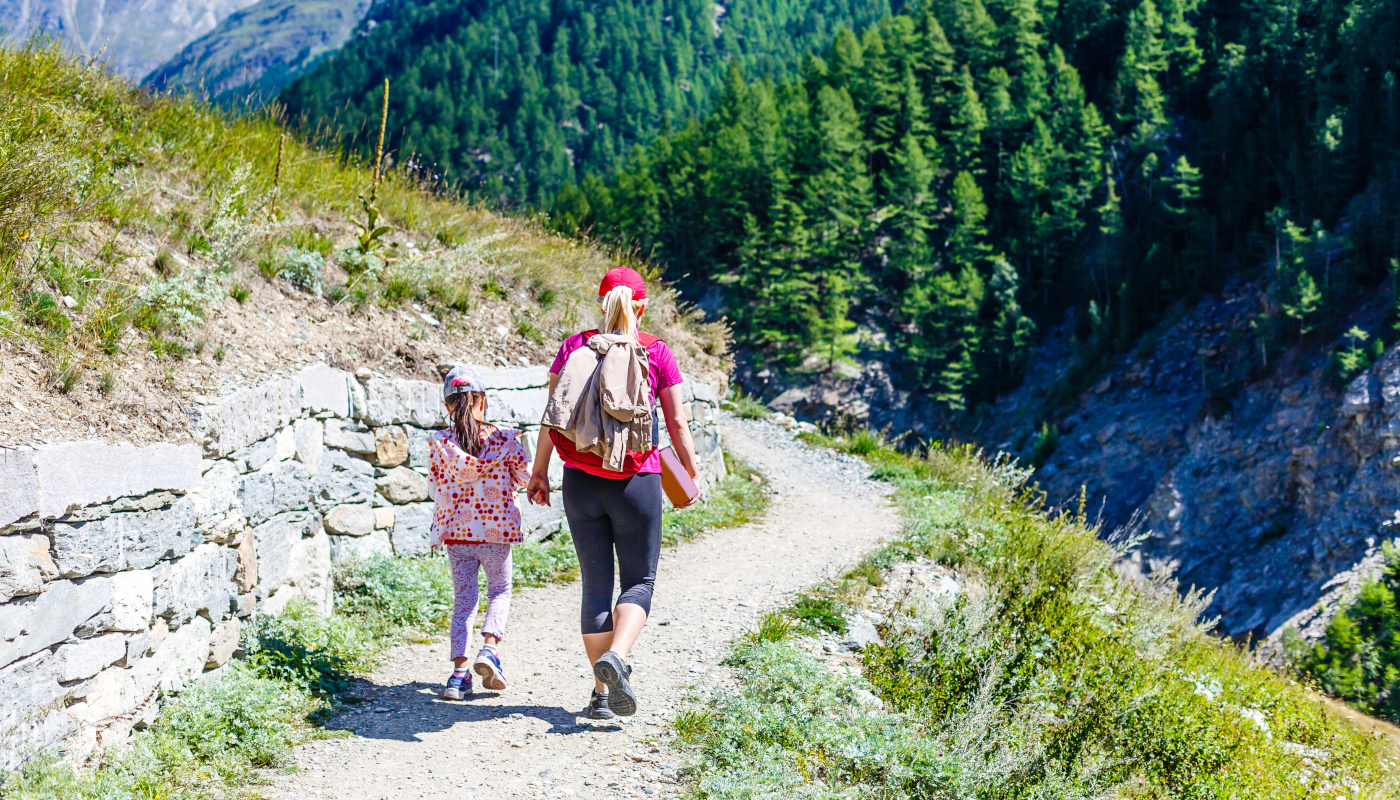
{"x":315,"y":655}
{"x":214,"y":736}
{"x":302,"y":269}
{"x":396,"y":593}
{"x":819,"y":613}
{"x":545,"y":562}
{"x":1359,"y":658}
{"x":745,"y":406}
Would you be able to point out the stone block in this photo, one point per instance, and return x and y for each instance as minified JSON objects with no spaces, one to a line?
{"x":516,"y":407}
{"x":88,"y":657}
{"x":137,"y":646}
{"x":402,"y":402}
{"x":349,"y":435}
{"x":223,"y":640}
{"x":19,"y":484}
{"x":133,"y":598}
{"x":285,"y":442}
{"x":25,"y":564}
{"x":200,"y":582}
{"x":309,"y":577}
{"x":105,"y":715}
{"x":383,"y":518}
{"x":245,"y":575}
{"x":30,"y":624}
{"x":31,"y":702}
{"x":245,"y":416}
{"x":351,"y":520}
{"x":126,"y":541}
{"x":540,"y":522}
{"x":417,"y":447}
{"x":360,"y":548}
{"x":342,"y":479}
{"x":324,"y":389}
{"x":255,"y":455}
{"x":273,"y":541}
{"x":76,"y":474}
{"x":402,"y":485}
{"x":704,"y":392}
{"x":309,"y":439}
{"x":412,"y":529}
{"x":178,"y":660}
{"x":217,"y":498}
{"x":280,"y":486}
{"x":515,"y":377}
{"x":390,"y":447}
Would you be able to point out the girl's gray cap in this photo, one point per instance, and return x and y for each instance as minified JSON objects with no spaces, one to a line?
{"x":461,"y":379}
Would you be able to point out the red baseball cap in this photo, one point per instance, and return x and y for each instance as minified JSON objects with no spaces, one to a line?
{"x":624,"y":276}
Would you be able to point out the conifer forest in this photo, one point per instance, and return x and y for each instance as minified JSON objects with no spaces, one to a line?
{"x":956,"y":175}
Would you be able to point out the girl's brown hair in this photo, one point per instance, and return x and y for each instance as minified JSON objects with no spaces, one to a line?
{"x":464,"y":425}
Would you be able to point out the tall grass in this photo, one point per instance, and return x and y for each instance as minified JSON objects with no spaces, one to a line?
{"x":1050,"y":675}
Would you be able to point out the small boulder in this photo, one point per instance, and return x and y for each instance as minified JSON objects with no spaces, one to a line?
{"x":383,"y":518}
{"x":350,"y":520}
{"x":862,"y":635}
{"x":403,"y":485}
{"x":222,"y":643}
{"x":390,"y":446}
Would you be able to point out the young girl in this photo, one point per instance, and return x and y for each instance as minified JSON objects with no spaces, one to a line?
{"x":474,"y":470}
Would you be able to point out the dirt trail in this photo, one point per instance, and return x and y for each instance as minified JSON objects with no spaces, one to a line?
{"x":528,"y":741}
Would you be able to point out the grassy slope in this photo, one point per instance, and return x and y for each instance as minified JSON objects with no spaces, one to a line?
{"x":1049,"y":676}
{"x":89,"y":164}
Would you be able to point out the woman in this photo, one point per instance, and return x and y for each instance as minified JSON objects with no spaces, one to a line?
{"x":616,"y":511}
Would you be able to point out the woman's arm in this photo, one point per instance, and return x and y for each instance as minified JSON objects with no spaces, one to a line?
{"x":678,"y":423}
{"x":538,"y":490}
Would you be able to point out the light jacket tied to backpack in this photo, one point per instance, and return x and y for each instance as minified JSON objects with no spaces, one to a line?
{"x":602,"y":402}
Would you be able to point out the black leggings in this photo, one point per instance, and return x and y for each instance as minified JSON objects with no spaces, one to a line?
{"x":605,"y":513}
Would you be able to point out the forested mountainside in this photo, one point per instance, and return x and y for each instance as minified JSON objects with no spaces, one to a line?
{"x":961,"y":175}
{"x":254,"y":52}
{"x":133,"y":36}
{"x":516,"y":99}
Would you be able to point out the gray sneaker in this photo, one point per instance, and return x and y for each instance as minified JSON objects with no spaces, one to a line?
{"x":598,"y":707}
{"x":614,"y":673}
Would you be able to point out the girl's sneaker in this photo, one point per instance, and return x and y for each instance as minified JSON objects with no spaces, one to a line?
{"x":459,"y":687}
{"x":598,"y":707}
{"x":488,"y":666}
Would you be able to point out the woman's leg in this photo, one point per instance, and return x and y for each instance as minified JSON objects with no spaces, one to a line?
{"x":495,"y":559}
{"x":465,"y":565}
{"x":637,"y":532}
{"x":584,"y":505}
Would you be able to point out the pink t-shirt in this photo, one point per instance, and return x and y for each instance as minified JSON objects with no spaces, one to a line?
{"x":663,"y":371}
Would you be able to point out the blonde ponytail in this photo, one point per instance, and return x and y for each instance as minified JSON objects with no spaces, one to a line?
{"x":620,"y":311}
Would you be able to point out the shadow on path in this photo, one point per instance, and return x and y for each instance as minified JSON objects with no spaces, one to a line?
{"x":406,"y":711}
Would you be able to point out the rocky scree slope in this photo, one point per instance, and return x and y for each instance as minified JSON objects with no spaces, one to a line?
{"x":1273,"y":487}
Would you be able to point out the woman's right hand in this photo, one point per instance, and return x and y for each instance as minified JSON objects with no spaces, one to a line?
{"x":538,"y":490}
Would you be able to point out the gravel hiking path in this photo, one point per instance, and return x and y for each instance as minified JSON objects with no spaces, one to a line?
{"x":529,"y":741}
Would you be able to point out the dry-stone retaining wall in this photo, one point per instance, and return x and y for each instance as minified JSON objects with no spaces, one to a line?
{"x":126,"y":572}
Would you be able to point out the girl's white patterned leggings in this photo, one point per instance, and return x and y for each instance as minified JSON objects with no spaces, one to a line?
{"x":466,"y":559}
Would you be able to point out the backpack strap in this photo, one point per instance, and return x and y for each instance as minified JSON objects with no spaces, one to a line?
{"x":644,"y":339}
